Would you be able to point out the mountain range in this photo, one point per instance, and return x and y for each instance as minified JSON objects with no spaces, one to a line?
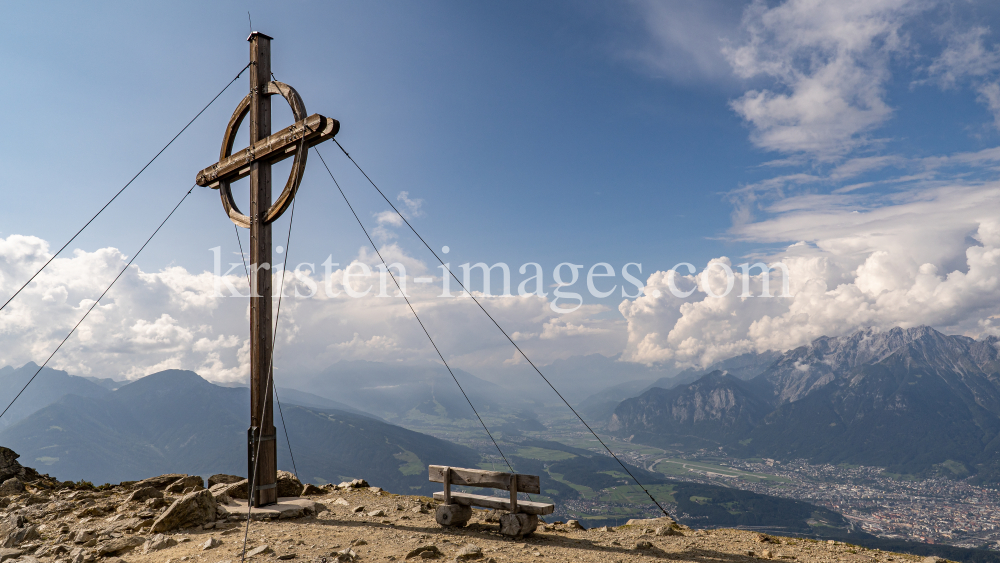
{"x":176,"y":422}
{"x":46,"y":388}
{"x":914,"y":401}
{"x":599,"y":406}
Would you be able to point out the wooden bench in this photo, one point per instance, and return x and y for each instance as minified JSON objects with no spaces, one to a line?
{"x":522,"y":516}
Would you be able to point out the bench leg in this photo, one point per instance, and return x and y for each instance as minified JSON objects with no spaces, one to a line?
{"x":518,"y":525}
{"x":452,"y":514}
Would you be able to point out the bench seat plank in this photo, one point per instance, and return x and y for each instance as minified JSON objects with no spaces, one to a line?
{"x":483,"y":478}
{"x":523,"y":506}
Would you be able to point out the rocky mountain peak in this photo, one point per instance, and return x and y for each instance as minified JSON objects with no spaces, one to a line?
{"x":866,"y":346}
{"x":913,"y":400}
{"x":715,"y":405}
{"x":807,"y":368}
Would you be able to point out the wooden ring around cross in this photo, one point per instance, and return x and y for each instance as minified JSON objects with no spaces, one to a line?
{"x":294,"y":140}
{"x":298,"y":165}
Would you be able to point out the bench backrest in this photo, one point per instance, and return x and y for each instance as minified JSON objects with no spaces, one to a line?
{"x":483,"y":478}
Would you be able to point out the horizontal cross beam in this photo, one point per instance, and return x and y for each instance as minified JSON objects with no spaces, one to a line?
{"x":279,"y":146}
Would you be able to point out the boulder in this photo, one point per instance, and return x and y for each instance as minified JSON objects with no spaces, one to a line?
{"x":35,"y":499}
{"x":653,"y":522}
{"x":310,"y":490}
{"x":6,"y":553}
{"x":222,"y":478}
{"x":291,"y":511}
{"x":119,"y":545}
{"x":13,"y":531}
{"x":355,"y":484}
{"x":16,"y":536}
{"x":80,"y":555}
{"x":157,"y":503}
{"x":10,"y":524}
{"x":9,"y":467}
{"x":289,"y":485}
{"x":125,"y":524}
{"x":431,"y":550}
{"x":144,"y":494}
{"x":12,"y":486}
{"x":193,"y":482}
{"x":469,"y":552}
{"x":161,"y":482}
{"x":260,"y":550}
{"x":51,"y":550}
{"x":233,"y":490}
{"x":158,"y":542}
{"x":96,"y":511}
{"x":192,"y":509}
{"x":211,"y":543}
{"x":643,"y":545}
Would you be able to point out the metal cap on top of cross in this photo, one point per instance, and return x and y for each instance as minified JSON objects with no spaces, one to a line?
{"x":255,"y":161}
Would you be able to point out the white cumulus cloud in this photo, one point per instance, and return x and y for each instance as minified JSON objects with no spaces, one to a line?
{"x":174,"y":318}
{"x":926,"y":257}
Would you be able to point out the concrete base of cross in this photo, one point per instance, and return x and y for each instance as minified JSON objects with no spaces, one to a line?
{"x":286,"y":507}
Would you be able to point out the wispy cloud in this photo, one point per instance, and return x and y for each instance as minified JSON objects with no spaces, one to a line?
{"x":685,"y":39}
{"x":413,"y":206}
{"x":965,"y":56}
{"x":389,"y":219}
{"x":967,"y":59}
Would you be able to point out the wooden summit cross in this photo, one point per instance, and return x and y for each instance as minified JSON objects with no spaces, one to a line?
{"x":255,"y":161}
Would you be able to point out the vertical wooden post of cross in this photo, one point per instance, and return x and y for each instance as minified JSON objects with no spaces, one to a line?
{"x":261,"y":393}
{"x":255,"y":161}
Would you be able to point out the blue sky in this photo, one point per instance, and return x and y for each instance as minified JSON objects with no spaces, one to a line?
{"x":856,"y":142}
{"x":529,"y":132}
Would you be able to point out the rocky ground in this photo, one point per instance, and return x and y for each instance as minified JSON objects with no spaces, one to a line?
{"x":173,"y":518}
